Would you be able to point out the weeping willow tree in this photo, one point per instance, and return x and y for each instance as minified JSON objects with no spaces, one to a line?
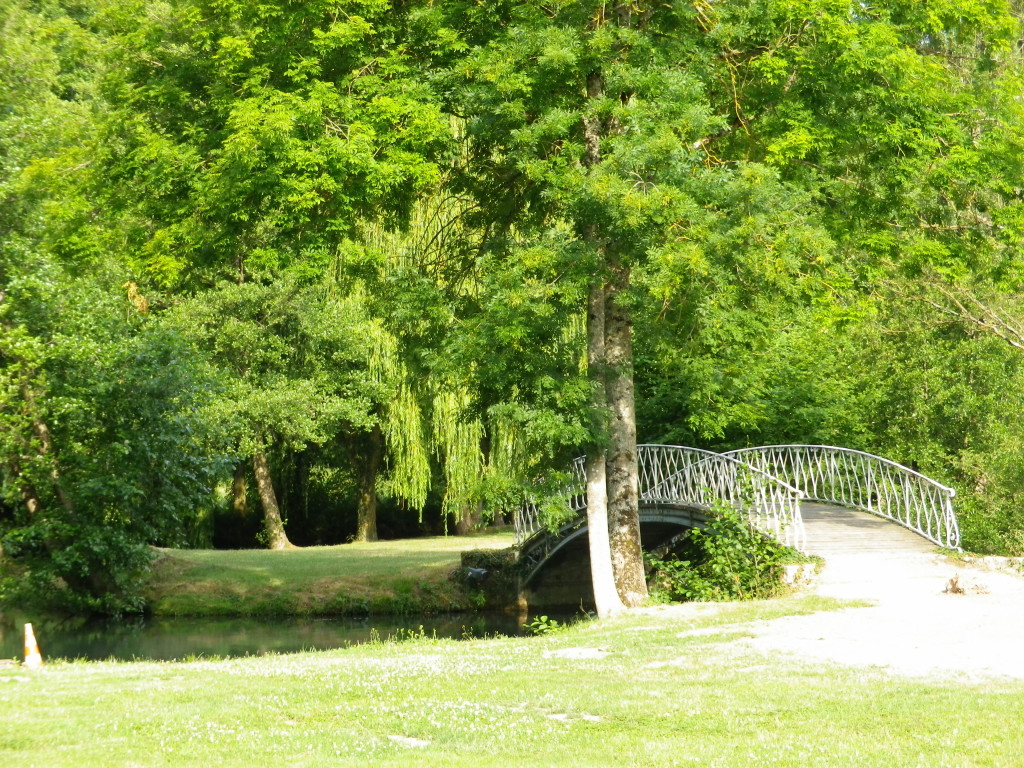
{"x":482,"y":388}
{"x":409,"y":280}
{"x":458,"y":439}
{"x":399,"y":436}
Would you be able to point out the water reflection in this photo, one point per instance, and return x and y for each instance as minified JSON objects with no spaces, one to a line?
{"x":183,"y":638}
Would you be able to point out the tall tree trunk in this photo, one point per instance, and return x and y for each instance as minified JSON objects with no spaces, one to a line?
{"x":623,"y":496}
{"x":273,"y":527}
{"x":469,"y":519}
{"x":613,"y":515}
{"x":592,"y":129}
{"x":366,"y":515}
{"x":606,"y":597}
{"x":240,"y":492}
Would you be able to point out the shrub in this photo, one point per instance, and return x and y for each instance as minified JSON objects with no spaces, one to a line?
{"x":728,"y":560}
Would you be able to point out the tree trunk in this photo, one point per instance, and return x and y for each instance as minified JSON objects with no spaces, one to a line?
{"x":240,"y":492}
{"x":623,"y":496}
{"x":606,"y":598}
{"x":366,"y":516}
{"x":273,"y":527}
{"x":592,"y":123}
{"x":609,"y":597}
{"x":470,"y":519}
{"x":31,"y":499}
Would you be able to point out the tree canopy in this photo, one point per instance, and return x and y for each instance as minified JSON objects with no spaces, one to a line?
{"x":429,"y":252}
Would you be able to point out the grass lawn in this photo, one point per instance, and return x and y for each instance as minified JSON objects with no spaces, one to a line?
{"x":640,"y":690}
{"x":381,"y":577}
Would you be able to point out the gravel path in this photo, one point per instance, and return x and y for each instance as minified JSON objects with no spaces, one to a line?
{"x":914,"y":626}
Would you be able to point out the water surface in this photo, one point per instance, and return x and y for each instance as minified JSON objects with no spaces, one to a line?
{"x":169,"y":639}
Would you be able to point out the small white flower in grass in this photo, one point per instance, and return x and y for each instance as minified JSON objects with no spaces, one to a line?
{"x":576,"y":653}
{"x":408,"y":741}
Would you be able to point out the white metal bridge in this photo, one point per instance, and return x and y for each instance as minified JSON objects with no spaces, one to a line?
{"x":680,"y":486}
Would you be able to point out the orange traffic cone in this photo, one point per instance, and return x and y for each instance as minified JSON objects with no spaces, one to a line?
{"x":33,"y":659}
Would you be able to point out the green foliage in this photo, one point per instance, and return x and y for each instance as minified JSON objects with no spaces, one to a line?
{"x":542,"y":625}
{"x":294,"y":361}
{"x":500,"y":586}
{"x":102,"y":430}
{"x":727,"y":560}
{"x":401,"y":197}
{"x":446,"y":303}
{"x":247,"y":138}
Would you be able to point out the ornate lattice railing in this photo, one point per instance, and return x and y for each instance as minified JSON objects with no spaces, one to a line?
{"x":863,"y":481}
{"x":670,"y":474}
{"x":527,"y":519}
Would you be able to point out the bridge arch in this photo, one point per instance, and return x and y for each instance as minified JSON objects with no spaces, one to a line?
{"x":672,"y":474}
{"x":659,"y":522}
{"x":863,"y":481}
{"x":678,"y":486}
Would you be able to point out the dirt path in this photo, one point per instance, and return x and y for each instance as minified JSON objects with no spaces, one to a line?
{"x":913,"y":627}
{"x":911,"y":624}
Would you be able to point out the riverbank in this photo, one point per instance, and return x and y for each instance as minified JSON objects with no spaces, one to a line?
{"x":662,"y":687}
{"x":386,"y":577}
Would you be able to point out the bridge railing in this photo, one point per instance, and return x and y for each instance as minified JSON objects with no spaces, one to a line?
{"x":527,"y":519}
{"x":863,"y":481}
{"x":678,"y":475}
{"x":672,"y":474}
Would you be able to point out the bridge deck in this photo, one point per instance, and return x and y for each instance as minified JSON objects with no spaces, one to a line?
{"x":870,"y":557}
{"x":833,"y":530}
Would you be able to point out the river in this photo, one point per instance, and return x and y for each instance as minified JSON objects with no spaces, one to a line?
{"x":168,"y":639}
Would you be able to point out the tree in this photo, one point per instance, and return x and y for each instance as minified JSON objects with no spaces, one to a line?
{"x":246,"y":142}
{"x":649,"y":132}
{"x":245,"y":139}
{"x":584,"y":117}
{"x":103,"y":453}
{"x":295,"y":361}
{"x":465,"y":356}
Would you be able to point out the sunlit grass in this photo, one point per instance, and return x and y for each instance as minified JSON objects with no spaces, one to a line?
{"x":643,"y":690}
{"x":350,"y":578}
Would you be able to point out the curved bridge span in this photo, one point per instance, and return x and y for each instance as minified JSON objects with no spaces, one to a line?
{"x":863,"y":481}
{"x":678,"y":487}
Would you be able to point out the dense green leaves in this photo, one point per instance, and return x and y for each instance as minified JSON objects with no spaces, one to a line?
{"x":283,"y":229}
{"x":294,"y":360}
{"x":246,"y":138}
{"x":104,"y":450}
{"x":729,"y":559}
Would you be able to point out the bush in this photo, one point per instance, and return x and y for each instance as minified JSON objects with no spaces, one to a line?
{"x":497,"y":588}
{"x":728,"y":560}
{"x":127,"y":457}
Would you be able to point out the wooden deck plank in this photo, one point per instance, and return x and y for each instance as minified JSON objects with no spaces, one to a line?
{"x":832,"y":530}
